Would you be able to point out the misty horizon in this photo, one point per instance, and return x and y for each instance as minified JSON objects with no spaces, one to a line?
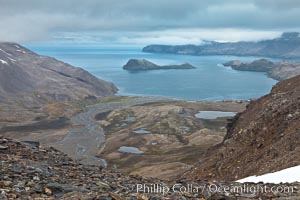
{"x":141,"y":23}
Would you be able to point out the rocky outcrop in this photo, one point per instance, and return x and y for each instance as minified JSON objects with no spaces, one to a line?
{"x":276,"y":70}
{"x":261,"y":65}
{"x":262,"y":139}
{"x":142,"y":64}
{"x":287,"y":46}
{"x":33,"y":79}
{"x":32,"y":172}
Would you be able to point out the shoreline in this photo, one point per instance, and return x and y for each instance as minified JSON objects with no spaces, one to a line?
{"x":184,"y":100}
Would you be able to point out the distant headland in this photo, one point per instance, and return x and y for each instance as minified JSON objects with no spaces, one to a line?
{"x":276,"y":70}
{"x":287,"y":46}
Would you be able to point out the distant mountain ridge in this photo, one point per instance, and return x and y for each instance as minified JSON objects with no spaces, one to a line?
{"x":31,"y":78}
{"x":286,"y":46}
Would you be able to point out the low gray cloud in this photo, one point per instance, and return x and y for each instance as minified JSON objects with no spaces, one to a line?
{"x":120,"y":20}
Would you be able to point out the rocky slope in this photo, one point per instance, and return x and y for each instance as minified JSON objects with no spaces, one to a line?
{"x":29,"y":171}
{"x":277,"y":70}
{"x":142,"y":64}
{"x":287,"y":46}
{"x":264,"y":138}
{"x":31,"y":79}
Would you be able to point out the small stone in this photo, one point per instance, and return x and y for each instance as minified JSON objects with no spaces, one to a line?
{"x":3,"y":196}
{"x":33,"y":143}
{"x":3,"y":147}
{"x":102,"y":185}
{"x":30,"y":183}
{"x":35,"y":196}
{"x":11,"y":196}
{"x":5,"y":183}
{"x":38,"y":188}
{"x":48,"y":191}
{"x":18,"y":170}
{"x":36,"y":178}
{"x":115,"y":196}
{"x":142,"y":197}
{"x":64,"y":188}
{"x":186,"y":194}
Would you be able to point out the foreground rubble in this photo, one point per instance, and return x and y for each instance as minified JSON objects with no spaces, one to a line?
{"x":28,"y":171}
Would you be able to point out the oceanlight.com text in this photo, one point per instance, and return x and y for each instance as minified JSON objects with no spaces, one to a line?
{"x":212,"y":188}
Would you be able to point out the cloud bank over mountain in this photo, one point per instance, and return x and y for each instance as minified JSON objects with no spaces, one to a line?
{"x":141,"y":22}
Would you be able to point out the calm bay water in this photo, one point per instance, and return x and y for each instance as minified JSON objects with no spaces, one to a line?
{"x":210,"y":81}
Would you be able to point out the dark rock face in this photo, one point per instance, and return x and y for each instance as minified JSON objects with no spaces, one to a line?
{"x":142,"y":64}
{"x":262,"y":139}
{"x":277,"y":70}
{"x":44,"y":79}
{"x":287,"y":46}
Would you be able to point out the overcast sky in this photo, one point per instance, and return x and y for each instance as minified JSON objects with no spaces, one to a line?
{"x":146,"y":21}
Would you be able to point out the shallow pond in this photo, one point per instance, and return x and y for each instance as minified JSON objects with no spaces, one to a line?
{"x":126,"y":149}
{"x":141,"y":131}
{"x":214,"y":114}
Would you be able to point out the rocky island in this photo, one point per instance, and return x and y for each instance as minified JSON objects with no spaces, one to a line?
{"x":142,"y":64}
{"x":276,"y":70}
{"x":286,"y":46}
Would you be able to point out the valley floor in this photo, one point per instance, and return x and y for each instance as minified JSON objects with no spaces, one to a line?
{"x":162,"y":138}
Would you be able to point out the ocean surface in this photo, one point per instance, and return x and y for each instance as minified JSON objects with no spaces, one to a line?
{"x":210,"y":81}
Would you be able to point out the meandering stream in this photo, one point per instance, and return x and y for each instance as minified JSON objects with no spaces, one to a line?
{"x":86,"y":139}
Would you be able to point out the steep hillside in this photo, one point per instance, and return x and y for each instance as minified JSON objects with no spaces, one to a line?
{"x":287,"y":46}
{"x":262,"y":139}
{"x":30,"y":78}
